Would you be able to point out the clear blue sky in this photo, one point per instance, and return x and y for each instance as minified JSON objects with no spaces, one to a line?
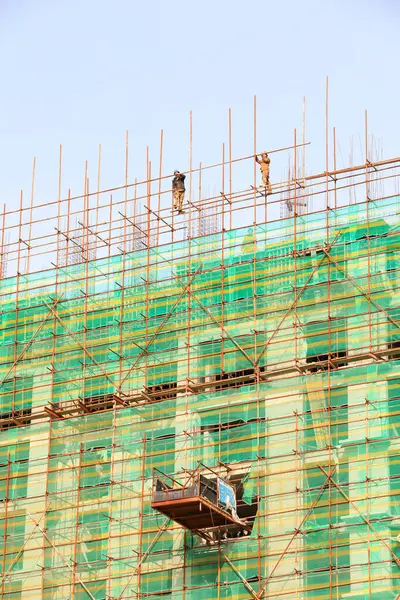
{"x":81,"y":72}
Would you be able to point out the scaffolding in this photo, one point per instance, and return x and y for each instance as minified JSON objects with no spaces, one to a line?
{"x":265,"y":349}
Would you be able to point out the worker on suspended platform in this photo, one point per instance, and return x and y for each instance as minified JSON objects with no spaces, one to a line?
{"x":178,"y":190}
{"x":264,"y":163}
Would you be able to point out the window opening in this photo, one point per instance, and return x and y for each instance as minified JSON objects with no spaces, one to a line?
{"x":97,"y":402}
{"x":394,"y":350}
{"x":321,"y":362}
{"x":15,"y":418}
{"x":163,"y":391}
{"x":234,"y":379}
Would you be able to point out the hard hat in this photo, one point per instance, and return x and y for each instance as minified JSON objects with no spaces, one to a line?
{"x":175,"y":172}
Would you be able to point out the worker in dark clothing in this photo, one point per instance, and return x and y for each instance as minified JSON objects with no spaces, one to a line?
{"x":264,"y":168}
{"x":178,"y":190}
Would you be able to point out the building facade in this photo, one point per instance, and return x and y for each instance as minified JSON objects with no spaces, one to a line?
{"x":269,"y":354}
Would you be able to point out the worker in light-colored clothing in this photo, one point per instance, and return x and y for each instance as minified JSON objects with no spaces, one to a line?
{"x":264,"y":163}
{"x":178,"y":190}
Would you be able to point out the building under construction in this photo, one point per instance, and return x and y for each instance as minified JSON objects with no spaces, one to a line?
{"x":203,"y":405}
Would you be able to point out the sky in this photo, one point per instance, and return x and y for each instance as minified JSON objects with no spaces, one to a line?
{"x":82,"y":72}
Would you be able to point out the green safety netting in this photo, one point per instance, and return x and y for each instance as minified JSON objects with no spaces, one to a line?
{"x":315,"y":443}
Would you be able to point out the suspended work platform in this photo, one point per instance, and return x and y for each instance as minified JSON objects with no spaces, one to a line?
{"x":203,"y":504}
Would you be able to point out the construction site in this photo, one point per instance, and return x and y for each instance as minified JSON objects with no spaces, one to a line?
{"x":204,"y":405}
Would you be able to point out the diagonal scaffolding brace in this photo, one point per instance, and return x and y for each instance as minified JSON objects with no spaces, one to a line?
{"x":164,"y":321}
{"x":322,"y":489}
{"x":75,"y":338}
{"x":295,"y":301}
{"x":239,"y":574}
{"x":365,"y":519}
{"x":223,"y":329}
{"x":32,"y":339}
{"x":360,"y":288}
{"x":62,"y":558}
{"x":163,"y":528}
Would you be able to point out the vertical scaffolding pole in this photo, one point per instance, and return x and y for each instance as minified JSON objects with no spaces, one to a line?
{"x":191,"y":161}
{"x":68,"y":228}
{"x":299,"y":485}
{"x":255,"y":164}
{"x":85,"y":257}
{"x":147,"y":281}
{"x":85,"y":230}
{"x":17,"y":303}
{"x":141,"y":520}
{"x":134,"y":232}
{"x":327,"y":138}
{"x":367,"y":197}
{"x":27,"y":266}
{"x":75,"y":576}
{"x":230,"y":165}
{"x":334,"y":168}
{"x":126,"y":190}
{"x":200,"y":216}
{"x":111,"y":538}
{"x":56,"y":292}
{"x":303,"y":141}
{"x":159,"y":186}
{"x":123,"y":270}
{"x":98,"y":193}
{"x":223,"y":260}
{"x":3,"y":250}
{"x":46,"y":505}
{"x":295,"y":215}
{"x":110,"y":241}
{"x":329,"y":349}
{"x":5,"y":527}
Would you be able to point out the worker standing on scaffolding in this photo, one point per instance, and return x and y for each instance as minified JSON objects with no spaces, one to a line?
{"x":178,"y":190}
{"x":264,"y":168}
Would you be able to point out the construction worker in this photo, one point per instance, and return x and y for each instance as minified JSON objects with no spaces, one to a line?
{"x":264,"y":168}
{"x":178,"y":190}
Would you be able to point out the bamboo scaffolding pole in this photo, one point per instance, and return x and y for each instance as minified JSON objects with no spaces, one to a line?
{"x":3,"y":250}
{"x":190,"y":160}
{"x":222,"y":267}
{"x":5,"y":525}
{"x":27,"y":267}
{"x":159,"y":185}
{"x":47,"y":504}
{"x":230,"y":167}
{"x":53,"y":349}
{"x":17,"y":309}
{"x":295,"y":224}
{"x":98,"y":190}
{"x":147,"y":290}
